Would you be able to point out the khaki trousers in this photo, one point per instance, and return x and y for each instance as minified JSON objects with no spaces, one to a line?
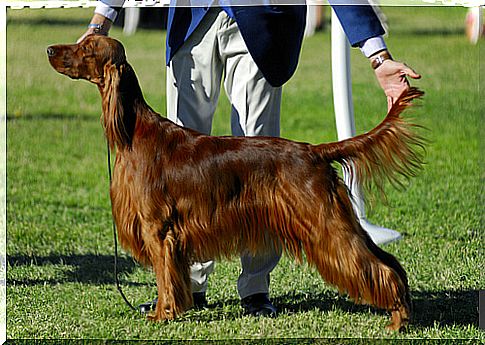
{"x":214,"y":54}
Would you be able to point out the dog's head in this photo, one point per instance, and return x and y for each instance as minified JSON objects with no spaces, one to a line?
{"x":90,"y":59}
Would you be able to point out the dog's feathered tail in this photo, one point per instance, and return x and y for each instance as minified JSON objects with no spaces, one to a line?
{"x":393,"y":151}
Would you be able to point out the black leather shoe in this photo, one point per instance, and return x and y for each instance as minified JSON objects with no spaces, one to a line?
{"x":146,"y":307}
{"x":258,"y":305}
{"x":200,"y":302}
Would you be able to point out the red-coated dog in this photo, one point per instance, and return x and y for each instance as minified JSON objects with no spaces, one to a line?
{"x":180,"y":196}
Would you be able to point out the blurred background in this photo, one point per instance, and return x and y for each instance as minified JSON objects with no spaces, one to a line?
{"x":60,"y":245}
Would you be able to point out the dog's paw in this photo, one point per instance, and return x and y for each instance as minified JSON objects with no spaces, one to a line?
{"x":396,"y":328}
{"x":158,"y":316}
{"x":399,"y":321}
{"x":152,"y":316}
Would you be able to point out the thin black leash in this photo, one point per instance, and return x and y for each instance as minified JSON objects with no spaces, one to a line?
{"x":118,"y":286}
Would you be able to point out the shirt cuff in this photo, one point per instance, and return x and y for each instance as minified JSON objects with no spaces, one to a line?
{"x":372,"y":45}
{"x":106,"y":11}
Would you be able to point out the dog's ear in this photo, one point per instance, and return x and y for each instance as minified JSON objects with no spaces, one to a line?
{"x":113,"y":112}
{"x":111,"y":74}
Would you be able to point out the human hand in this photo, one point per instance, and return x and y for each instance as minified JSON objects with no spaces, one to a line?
{"x":99,"y":25}
{"x":391,"y":76}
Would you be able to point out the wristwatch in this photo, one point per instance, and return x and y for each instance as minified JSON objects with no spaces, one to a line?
{"x":98,"y":28}
{"x":379,"y":58}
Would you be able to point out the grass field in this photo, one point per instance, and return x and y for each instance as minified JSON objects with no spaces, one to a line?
{"x":60,"y":283}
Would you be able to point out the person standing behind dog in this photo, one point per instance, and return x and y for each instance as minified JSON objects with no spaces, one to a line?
{"x":253,"y":50}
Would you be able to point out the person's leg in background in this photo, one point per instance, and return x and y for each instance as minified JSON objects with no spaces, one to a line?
{"x":255,"y":112}
{"x":193,"y":84}
{"x":193,"y":87}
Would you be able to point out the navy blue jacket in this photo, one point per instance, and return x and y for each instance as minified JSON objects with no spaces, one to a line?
{"x":273,"y":34}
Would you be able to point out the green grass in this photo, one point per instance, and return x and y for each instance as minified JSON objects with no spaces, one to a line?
{"x":60,"y":248}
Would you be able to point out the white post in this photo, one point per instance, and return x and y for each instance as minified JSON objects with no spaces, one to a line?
{"x":344,"y":117}
{"x":132,"y":18}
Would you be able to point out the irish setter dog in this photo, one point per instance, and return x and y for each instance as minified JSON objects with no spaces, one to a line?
{"x":179,"y":196}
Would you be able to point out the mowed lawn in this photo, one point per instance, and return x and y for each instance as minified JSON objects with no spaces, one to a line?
{"x":60,"y":282}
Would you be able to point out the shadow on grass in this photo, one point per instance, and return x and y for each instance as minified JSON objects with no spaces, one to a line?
{"x":88,"y":269}
{"x":441,"y":308}
{"x":445,"y":308}
{"x":324,"y":301}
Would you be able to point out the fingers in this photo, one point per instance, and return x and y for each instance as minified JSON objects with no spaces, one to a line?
{"x":393,"y":78}
{"x":410,"y":72}
{"x":395,"y":91}
{"x":390,"y":102}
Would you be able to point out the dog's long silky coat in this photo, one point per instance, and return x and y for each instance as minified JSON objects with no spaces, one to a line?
{"x":180,"y":196}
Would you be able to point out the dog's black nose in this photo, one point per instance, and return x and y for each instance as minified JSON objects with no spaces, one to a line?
{"x":51,"y":51}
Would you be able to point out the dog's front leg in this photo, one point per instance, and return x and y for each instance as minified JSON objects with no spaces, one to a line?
{"x":172,"y":275}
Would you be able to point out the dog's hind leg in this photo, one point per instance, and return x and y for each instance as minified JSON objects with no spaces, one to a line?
{"x":402,"y":309}
{"x":346,"y":257}
{"x":172,"y":276}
